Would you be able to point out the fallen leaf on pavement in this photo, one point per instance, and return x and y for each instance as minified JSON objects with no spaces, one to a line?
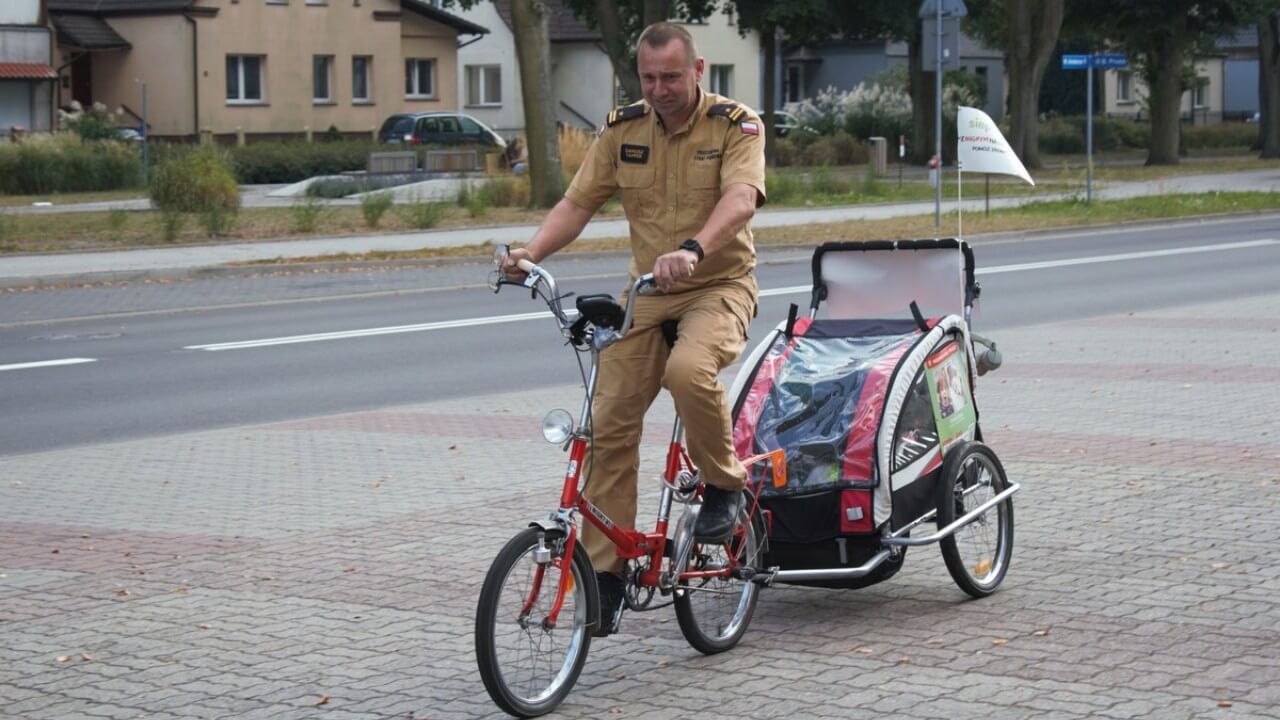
{"x":122,"y":593}
{"x":1224,"y":703}
{"x":324,"y":700}
{"x":1041,"y":633}
{"x":64,"y":658}
{"x":999,"y":641}
{"x":86,"y":657}
{"x":203,"y":626}
{"x":864,"y":651}
{"x":351,"y":568}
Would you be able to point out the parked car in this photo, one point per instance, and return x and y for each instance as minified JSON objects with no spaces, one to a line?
{"x":437,"y":128}
{"x":783,"y":121}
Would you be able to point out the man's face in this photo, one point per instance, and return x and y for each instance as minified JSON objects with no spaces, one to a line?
{"x":668,"y":79}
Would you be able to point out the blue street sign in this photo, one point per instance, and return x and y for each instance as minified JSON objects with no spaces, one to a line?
{"x":1105,"y":62}
{"x":1110,"y":61}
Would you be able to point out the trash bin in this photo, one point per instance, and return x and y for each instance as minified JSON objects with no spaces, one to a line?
{"x":878,"y":155}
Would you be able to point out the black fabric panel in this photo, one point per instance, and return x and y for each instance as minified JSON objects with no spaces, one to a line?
{"x":829,"y":328}
{"x":804,"y":519}
{"x":915,"y":499}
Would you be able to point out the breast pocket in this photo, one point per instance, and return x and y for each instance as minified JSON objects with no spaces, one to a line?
{"x":637,"y":191}
{"x":704,"y":184}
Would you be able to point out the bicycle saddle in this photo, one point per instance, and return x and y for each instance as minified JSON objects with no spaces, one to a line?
{"x":601,"y":310}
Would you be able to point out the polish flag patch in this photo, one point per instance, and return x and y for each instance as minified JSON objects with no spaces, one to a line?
{"x":749,"y":128}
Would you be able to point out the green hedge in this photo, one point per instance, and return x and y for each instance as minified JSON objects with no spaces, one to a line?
{"x":1066,"y":135}
{"x":64,"y":163}
{"x":294,"y":161}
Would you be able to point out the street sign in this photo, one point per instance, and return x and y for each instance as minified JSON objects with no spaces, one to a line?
{"x":1104,"y":62}
{"x":1111,"y":62}
{"x":950,"y":8}
{"x":1075,"y":62}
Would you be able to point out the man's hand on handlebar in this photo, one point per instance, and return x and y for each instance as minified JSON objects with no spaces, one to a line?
{"x":510,"y":264}
{"x":673,"y":267}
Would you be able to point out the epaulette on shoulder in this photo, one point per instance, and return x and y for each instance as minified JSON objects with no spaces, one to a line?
{"x":625,"y":113}
{"x":734,"y":112}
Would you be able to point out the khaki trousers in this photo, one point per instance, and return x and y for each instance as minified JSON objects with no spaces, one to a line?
{"x":711,"y":335}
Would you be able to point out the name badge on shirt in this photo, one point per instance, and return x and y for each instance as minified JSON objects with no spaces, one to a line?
{"x":638,"y":154}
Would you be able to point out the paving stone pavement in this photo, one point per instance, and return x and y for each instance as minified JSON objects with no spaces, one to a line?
{"x":329,"y":567}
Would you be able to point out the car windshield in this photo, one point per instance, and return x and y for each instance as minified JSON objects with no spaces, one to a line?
{"x":397,"y":125}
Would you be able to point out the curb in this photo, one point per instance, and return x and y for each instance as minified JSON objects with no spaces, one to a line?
{"x":265,"y":268}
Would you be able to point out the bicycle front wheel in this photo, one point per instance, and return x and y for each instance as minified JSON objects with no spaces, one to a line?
{"x":714,"y":609}
{"x":529,"y":665}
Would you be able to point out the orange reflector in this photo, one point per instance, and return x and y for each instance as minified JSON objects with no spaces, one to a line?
{"x":568,"y":586}
{"x":982,"y":568}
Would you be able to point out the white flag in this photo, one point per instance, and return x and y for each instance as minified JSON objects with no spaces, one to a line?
{"x":981,"y":147}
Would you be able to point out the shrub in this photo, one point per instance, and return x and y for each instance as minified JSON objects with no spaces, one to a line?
{"x":218,"y":220}
{"x":505,"y":192}
{"x":334,"y":188}
{"x":877,"y":110}
{"x":294,"y":161}
{"x":307,"y":213}
{"x":96,"y":123}
{"x":782,"y":187}
{"x":374,"y":205}
{"x":197,"y":182}
{"x":836,"y":149}
{"x":822,"y":182}
{"x":46,"y":164}
{"x":422,"y":214}
{"x":786,"y":152}
{"x":116,"y":222}
{"x":1222,"y":135}
{"x":171,"y":224}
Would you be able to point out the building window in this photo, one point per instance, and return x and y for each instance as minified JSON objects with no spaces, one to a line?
{"x":317,"y":2}
{"x":244,"y":78}
{"x":722,"y":79}
{"x":322,"y":78}
{"x":418,"y":78}
{"x":1200,"y":93}
{"x":360,"y":66}
{"x":1124,"y":87}
{"x":795,"y":83}
{"x":484,"y":85}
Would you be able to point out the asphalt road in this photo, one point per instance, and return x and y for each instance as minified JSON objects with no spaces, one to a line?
{"x":81,"y":366}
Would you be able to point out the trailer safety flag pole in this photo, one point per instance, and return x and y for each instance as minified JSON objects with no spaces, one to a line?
{"x":980,"y":147}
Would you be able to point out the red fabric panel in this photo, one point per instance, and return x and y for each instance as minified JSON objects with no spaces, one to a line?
{"x":855,"y":499}
{"x":744,"y":430}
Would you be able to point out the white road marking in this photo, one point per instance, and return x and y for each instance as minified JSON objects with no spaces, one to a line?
{"x":795,"y":289}
{"x":47,"y":363}
{"x":393,"y":330}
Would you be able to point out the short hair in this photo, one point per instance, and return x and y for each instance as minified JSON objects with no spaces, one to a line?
{"x":659,"y":34}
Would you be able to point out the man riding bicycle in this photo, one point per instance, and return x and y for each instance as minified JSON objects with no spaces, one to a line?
{"x":690,"y":166}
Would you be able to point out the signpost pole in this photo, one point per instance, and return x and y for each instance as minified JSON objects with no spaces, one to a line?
{"x":1088,"y":135}
{"x":937,"y":135}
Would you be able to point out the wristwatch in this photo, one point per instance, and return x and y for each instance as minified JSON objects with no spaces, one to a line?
{"x":694,"y":247}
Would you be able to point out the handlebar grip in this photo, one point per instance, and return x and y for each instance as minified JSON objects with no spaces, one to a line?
{"x":525,"y":265}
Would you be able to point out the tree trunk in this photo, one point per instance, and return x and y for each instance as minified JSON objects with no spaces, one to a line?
{"x":533,"y":49}
{"x":769,"y":41}
{"x":1032,"y":40}
{"x":617,"y":48}
{"x":1269,"y":97}
{"x":922,"y":92}
{"x":655,"y":11}
{"x":1166,"y":94}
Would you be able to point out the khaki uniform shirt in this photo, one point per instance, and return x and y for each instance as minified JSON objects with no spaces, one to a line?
{"x":670,"y":183}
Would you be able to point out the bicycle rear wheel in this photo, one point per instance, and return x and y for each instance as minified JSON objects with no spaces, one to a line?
{"x":714,"y":612}
{"x":527,"y":667}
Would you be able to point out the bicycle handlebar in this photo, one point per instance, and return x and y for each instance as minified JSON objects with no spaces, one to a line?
{"x":537,"y":274}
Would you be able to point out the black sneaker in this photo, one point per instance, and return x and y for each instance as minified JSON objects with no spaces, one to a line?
{"x":611,"y":602}
{"x":718,"y":516}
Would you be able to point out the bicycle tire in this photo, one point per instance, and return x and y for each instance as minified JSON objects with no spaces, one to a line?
{"x":977,"y":555}
{"x":692,"y":604}
{"x":519,"y":688}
